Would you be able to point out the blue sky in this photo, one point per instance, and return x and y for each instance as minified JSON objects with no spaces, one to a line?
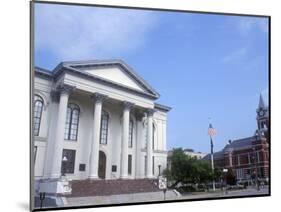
{"x":202,"y":65}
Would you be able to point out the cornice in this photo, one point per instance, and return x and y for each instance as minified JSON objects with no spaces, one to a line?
{"x":61,"y":70}
{"x":162,"y":107}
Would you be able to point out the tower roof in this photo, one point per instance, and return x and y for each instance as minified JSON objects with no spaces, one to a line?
{"x":263,"y":101}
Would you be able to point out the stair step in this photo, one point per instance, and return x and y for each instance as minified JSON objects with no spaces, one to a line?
{"x":89,"y":187}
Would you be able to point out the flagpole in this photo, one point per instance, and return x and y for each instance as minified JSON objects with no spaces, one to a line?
{"x":211,"y":132}
{"x":212,"y":161}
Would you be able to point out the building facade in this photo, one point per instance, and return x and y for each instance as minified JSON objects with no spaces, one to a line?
{"x":189,"y":152}
{"x":192,"y":153}
{"x":97,"y":120}
{"x":248,"y":158}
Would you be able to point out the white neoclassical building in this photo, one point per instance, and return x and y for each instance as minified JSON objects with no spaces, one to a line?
{"x":97,"y":119}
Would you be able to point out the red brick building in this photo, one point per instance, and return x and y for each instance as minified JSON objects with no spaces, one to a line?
{"x":248,"y":157}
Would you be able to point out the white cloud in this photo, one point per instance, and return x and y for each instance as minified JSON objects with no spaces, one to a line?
{"x":247,"y":24}
{"x":74,"y":32}
{"x":235,"y":56}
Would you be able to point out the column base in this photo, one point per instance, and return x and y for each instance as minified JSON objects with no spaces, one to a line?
{"x":150,"y":177}
{"x":55,"y":176}
{"x":124,"y":177}
{"x":94,"y":177}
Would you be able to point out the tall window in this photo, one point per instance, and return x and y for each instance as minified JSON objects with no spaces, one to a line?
{"x":38,"y":108}
{"x":129,"y":164}
{"x":72,"y":121}
{"x":35,"y":153}
{"x":239,"y":173}
{"x":131,"y":134}
{"x":104,"y":127}
{"x":261,"y":172}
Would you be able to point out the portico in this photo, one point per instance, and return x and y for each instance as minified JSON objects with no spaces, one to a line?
{"x":108,"y":128}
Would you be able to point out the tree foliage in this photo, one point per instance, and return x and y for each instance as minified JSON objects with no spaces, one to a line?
{"x":185,"y":169}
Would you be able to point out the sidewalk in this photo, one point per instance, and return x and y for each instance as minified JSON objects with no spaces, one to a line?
{"x":157,"y":196}
{"x":122,"y":198}
{"x":234,"y":193}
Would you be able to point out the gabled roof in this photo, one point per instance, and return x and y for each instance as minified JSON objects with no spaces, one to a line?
{"x":217,"y":155}
{"x":239,"y":144}
{"x":244,"y":143}
{"x":78,"y":67}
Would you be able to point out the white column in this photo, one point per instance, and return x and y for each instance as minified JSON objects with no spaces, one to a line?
{"x":149,"y":150}
{"x":94,"y":156}
{"x":139,"y":141}
{"x":59,"y":136}
{"x":125,"y":138}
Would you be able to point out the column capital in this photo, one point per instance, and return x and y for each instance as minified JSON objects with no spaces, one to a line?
{"x":98,"y":97}
{"x":150,"y":111}
{"x":128,"y":105}
{"x":65,"y":89}
{"x":55,"y":95}
{"x":61,"y":89}
{"x":139,"y":115}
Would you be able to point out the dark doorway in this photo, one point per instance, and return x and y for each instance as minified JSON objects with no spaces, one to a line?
{"x":102,"y":165}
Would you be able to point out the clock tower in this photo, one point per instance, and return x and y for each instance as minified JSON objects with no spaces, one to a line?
{"x":262,"y":116}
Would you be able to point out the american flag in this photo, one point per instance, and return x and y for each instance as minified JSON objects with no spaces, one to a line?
{"x":211,"y":130}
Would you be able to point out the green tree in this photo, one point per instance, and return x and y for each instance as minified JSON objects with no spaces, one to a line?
{"x":203,"y":173}
{"x":185,"y":169}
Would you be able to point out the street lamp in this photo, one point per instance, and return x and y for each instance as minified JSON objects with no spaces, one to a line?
{"x":64,"y":160}
{"x":42,"y":196}
{"x":224,"y":178}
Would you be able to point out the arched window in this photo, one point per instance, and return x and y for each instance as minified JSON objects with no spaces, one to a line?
{"x":131,"y":127}
{"x":104,"y":127}
{"x":72,"y":121}
{"x":38,"y":108}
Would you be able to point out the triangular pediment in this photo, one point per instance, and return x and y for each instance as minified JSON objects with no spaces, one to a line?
{"x":115,"y":74}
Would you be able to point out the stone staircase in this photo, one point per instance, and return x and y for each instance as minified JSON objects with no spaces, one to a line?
{"x":84,"y":188}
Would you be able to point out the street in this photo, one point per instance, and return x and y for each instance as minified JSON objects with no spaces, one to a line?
{"x":158,"y":196}
{"x":218,"y":193}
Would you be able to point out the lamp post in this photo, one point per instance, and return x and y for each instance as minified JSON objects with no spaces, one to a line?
{"x":159,"y":168}
{"x":42,"y":198}
{"x":224,"y":179}
{"x":64,"y":160}
{"x":211,"y":133}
